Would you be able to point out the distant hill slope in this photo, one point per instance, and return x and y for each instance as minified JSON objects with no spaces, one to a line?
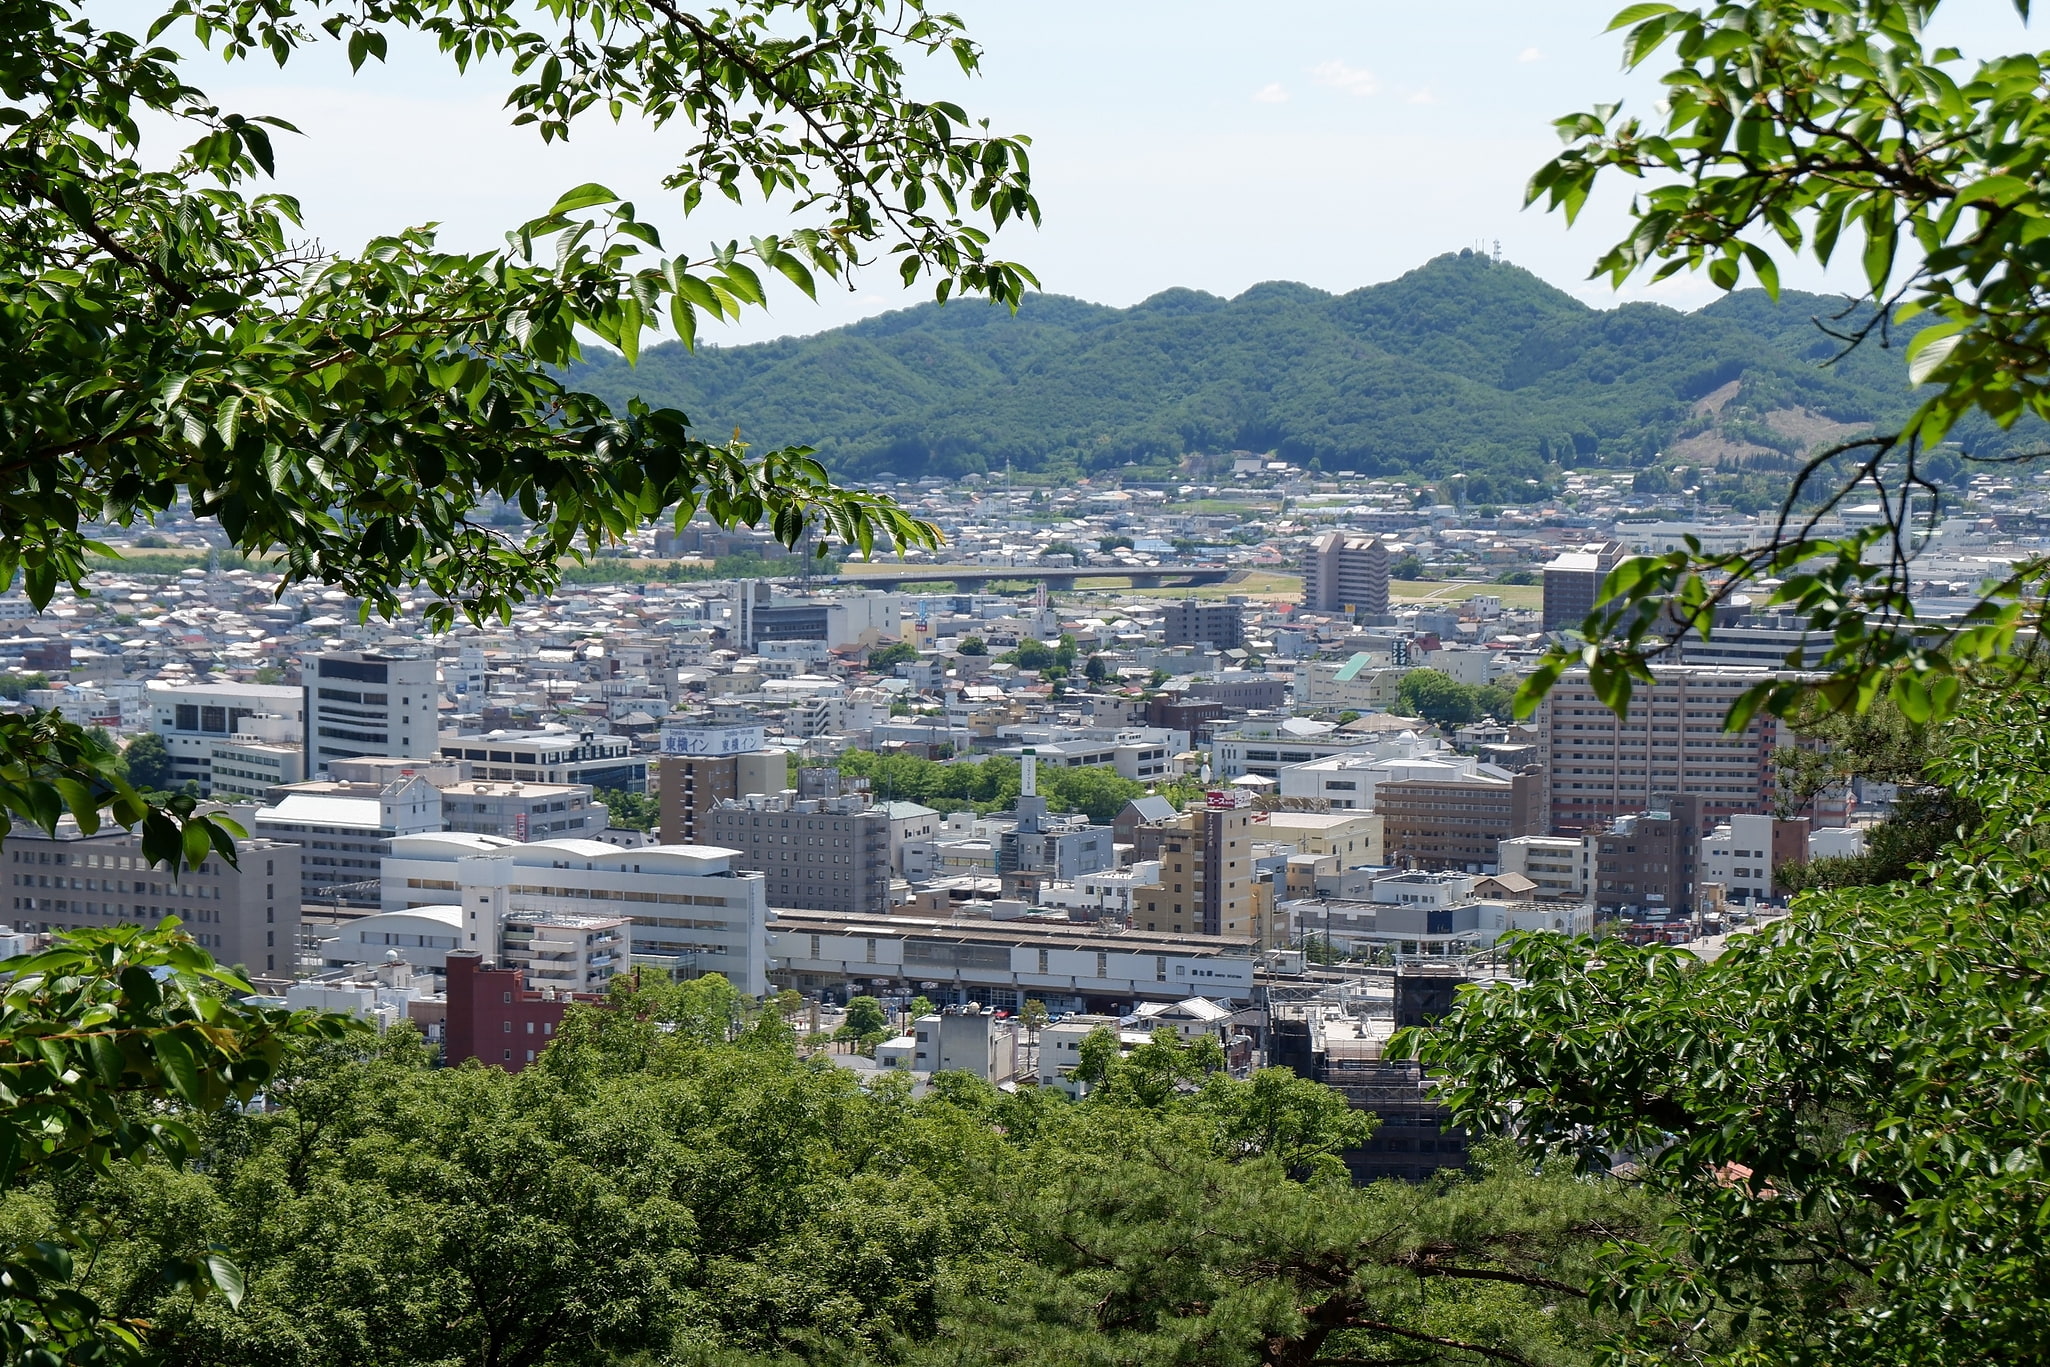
{"x":1464,"y":364}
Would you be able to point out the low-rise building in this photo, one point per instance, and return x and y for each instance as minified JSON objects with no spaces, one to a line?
{"x":494,"y":1017}
{"x":1265,"y":745}
{"x":245,"y":769}
{"x":421,"y":936}
{"x":1353,"y":837}
{"x":965,"y":1039}
{"x":551,"y":755}
{"x":569,"y":951}
{"x":1110,"y":893}
{"x":1561,"y":866}
{"x":693,"y":909}
{"x":1745,"y":853}
{"x":522,"y":811}
{"x":1000,"y":963}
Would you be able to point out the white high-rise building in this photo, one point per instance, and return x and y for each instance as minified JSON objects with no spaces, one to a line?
{"x":359,"y":703}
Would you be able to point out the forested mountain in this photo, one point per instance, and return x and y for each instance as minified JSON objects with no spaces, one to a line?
{"x":1462,"y":364}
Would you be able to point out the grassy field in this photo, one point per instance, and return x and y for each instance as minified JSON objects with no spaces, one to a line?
{"x":1459,"y":590}
{"x":1266,"y":584}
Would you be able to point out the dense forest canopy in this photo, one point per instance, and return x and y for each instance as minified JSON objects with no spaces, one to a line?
{"x":1464,"y":364}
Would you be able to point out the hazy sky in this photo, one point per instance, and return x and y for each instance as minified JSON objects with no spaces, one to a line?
{"x":1176,"y":142}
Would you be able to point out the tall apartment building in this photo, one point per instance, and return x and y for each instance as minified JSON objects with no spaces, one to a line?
{"x":194,"y":719}
{"x":1647,"y":862}
{"x":1346,"y":572}
{"x":1459,"y":821}
{"x":1599,"y":768}
{"x":694,"y":910}
{"x":360,"y":703}
{"x":552,"y":755}
{"x":1206,"y":871}
{"x":1188,"y":622}
{"x":688,"y":786}
{"x":824,"y":854}
{"x":245,"y":914}
{"x":1572,"y":580}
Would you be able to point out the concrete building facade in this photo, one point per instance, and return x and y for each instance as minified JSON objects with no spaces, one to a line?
{"x":1574,"y":578}
{"x":1206,"y":872}
{"x":246,"y":914}
{"x":522,"y":811}
{"x":1458,"y":822}
{"x":342,"y":830}
{"x":1189,"y":621}
{"x":195,"y":718}
{"x":694,"y":910}
{"x":1598,"y":768}
{"x":494,"y":1017}
{"x":362,"y":703}
{"x":1745,"y":853}
{"x":830,"y":854}
{"x":1646,"y":863}
{"x":1000,"y":963}
{"x":1562,"y":866}
{"x":688,"y":786}
{"x":551,"y":755}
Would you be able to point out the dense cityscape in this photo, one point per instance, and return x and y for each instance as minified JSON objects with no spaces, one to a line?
{"x":689,"y":763}
{"x":1292,"y":778}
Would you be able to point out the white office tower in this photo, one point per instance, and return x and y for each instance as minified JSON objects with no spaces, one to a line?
{"x":362,"y":704}
{"x":692,"y":911}
{"x":194,"y":719}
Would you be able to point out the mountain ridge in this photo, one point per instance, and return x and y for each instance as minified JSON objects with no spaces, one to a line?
{"x":1462,"y":365}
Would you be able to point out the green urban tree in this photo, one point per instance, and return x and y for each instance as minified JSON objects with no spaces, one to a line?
{"x":114,"y":1044}
{"x":1843,"y":1109}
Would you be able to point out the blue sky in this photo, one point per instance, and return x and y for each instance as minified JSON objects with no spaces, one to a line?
{"x":1177,"y":142}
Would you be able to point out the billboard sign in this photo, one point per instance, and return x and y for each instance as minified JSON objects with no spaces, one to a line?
{"x":712,"y":740}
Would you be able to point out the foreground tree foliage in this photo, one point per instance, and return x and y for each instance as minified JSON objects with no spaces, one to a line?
{"x":1847,"y":1110}
{"x":676,"y":1182}
{"x":114,"y":1048}
{"x":167,"y":336}
{"x":1790,"y":129}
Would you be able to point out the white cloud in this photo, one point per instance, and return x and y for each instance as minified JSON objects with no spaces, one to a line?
{"x":1423,"y":96}
{"x":1351,"y":79}
{"x":1273,"y":93}
{"x":1530,"y":54}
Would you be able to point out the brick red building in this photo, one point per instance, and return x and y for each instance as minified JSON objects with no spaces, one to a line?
{"x":494,"y":1017}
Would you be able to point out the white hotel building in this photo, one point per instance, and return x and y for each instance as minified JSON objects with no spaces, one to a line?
{"x":691,"y":911}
